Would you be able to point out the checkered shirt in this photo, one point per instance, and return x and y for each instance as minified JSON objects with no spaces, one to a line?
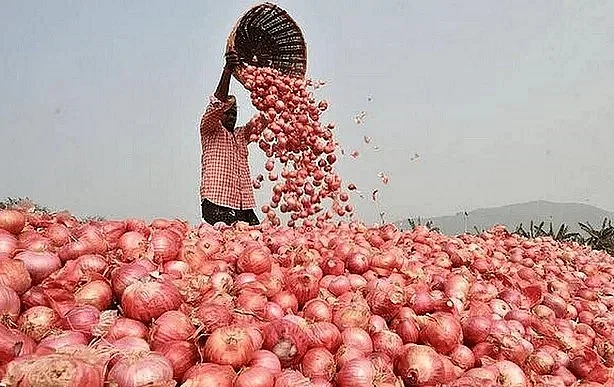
{"x":225,"y":169}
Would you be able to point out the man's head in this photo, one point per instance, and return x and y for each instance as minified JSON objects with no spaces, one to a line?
{"x":229,"y":118}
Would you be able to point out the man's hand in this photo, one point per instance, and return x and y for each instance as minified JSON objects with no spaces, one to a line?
{"x":232,"y":61}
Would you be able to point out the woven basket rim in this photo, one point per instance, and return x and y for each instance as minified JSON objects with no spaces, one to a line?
{"x":230,"y":42}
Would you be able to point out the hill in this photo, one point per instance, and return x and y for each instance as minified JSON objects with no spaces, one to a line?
{"x":515,"y":214}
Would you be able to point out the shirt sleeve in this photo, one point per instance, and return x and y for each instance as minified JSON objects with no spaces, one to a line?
{"x":213,"y":114}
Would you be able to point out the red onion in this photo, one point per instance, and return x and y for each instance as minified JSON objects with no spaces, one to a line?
{"x":462,"y":357}
{"x":286,"y":340}
{"x":126,"y":275}
{"x":509,"y":372}
{"x":357,"y":338}
{"x":177,"y":269}
{"x":386,"y":301}
{"x":229,"y":346}
{"x":142,"y":369}
{"x":291,"y":378}
{"x":303,"y":285}
{"x":55,"y":370}
{"x":8,"y":244}
{"x":61,"y":339}
{"x":93,"y":263}
{"x":10,"y":304}
{"x":346,"y":354}
{"x":209,"y":374}
{"x":324,"y":334}
{"x":12,"y":221}
{"x":82,"y":319}
{"x":317,"y":310}
{"x":182,"y":355}
{"x":97,"y":293}
{"x":339,"y":285}
{"x":255,"y":377}
{"x":255,"y":259}
{"x":419,"y":365}
{"x":132,"y":245}
{"x":407,"y":329}
{"x":170,"y":326}
{"x":58,"y":234}
{"x":145,"y":301}
{"x":125,"y":327}
{"x":14,"y":343}
{"x":351,"y":310}
{"x":356,"y":373}
{"x":39,"y":264}
{"x":212,"y":316}
{"x":38,"y":321}
{"x":286,"y":300}
{"x":318,"y":363}
{"x":387,"y":342}
{"x":165,"y":245}
{"x":266,"y":359}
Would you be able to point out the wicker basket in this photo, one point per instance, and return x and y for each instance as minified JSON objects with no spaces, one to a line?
{"x":266,"y":36}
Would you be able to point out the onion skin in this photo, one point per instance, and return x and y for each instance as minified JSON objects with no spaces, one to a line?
{"x":139,"y":370}
{"x":145,"y":301}
{"x":255,"y":377}
{"x":182,"y":355}
{"x":97,"y":293}
{"x":419,"y":365}
{"x":318,"y":363}
{"x":229,"y":346}
{"x":209,"y":374}
{"x":10,"y":304}
{"x":287,"y":340}
{"x":14,"y":343}
{"x":39,"y":264}
{"x":12,"y":221}
{"x":170,"y":326}
{"x":38,"y":321}
{"x":125,"y":327}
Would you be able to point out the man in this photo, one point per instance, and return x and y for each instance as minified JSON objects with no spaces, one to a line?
{"x":226,"y":188}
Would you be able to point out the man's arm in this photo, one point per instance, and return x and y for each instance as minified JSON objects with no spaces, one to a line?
{"x":232,"y":61}
{"x":215,"y":109}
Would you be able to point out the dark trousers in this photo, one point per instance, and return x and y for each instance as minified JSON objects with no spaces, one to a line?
{"x":212,"y":213}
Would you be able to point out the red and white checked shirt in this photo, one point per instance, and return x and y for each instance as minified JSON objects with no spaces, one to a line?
{"x":225,"y":170}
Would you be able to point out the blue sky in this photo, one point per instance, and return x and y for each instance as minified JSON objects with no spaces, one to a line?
{"x":504,"y":101}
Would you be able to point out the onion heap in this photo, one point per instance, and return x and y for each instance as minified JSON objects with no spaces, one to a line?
{"x":344,"y":304}
{"x":288,"y":130}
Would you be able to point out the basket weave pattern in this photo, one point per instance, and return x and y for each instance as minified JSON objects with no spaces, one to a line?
{"x":266,"y":36}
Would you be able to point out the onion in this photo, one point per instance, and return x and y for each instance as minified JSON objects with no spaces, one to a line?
{"x":58,"y":234}
{"x":126,"y":275}
{"x":165,"y":245}
{"x":351,"y":310}
{"x":255,"y":259}
{"x":125,"y":327}
{"x":176,"y":268}
{"x":286,"y":340}
{"x":419,"y":365}
{"x":8,"y":244}
{"x":142,"y":369}
{"x":303,"y":285}
{"x":145,"y":301}
{"x":10,"y":304}
{"x":346,"y":354}
{"x":510,"y":373}
{"x":132,"y":245}
{"x":255,"y":377}
{"x":93,"y":263}
{"x":170,"y":326}
{"x":12,"y":221}
{"x":324,"y":334}
{"x":61,"y":339}
{"x":377,"y":324}
{"x":286,"y":300}
{"x":317,"y":310}
{"x":97,"y":293}
{"x":182,"y":355}
{"x":462,"y":357}
{"x":229,"y":346}
{"x":82,"y":319}
{"x":356,"y":373}
{"x":387,"y":301}
{"x":266,"y":359}
{"x":357,"y":338}
{"x":291,"y":378}
{"x":339,"y":285}
{"x":39,"y":264}
{"x":38,"y":321}
{"x":54,"y":370}
{"x":212,"y":316}
{"x":14,"y":343}
{"x":387,"y":342}
{"x":209,"y":374}
{"x":407,"y":329}
{"x":129,"y":346}
{"x":541,"y":362}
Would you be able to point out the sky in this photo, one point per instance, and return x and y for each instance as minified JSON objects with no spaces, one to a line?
{"x":503,"y":101}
